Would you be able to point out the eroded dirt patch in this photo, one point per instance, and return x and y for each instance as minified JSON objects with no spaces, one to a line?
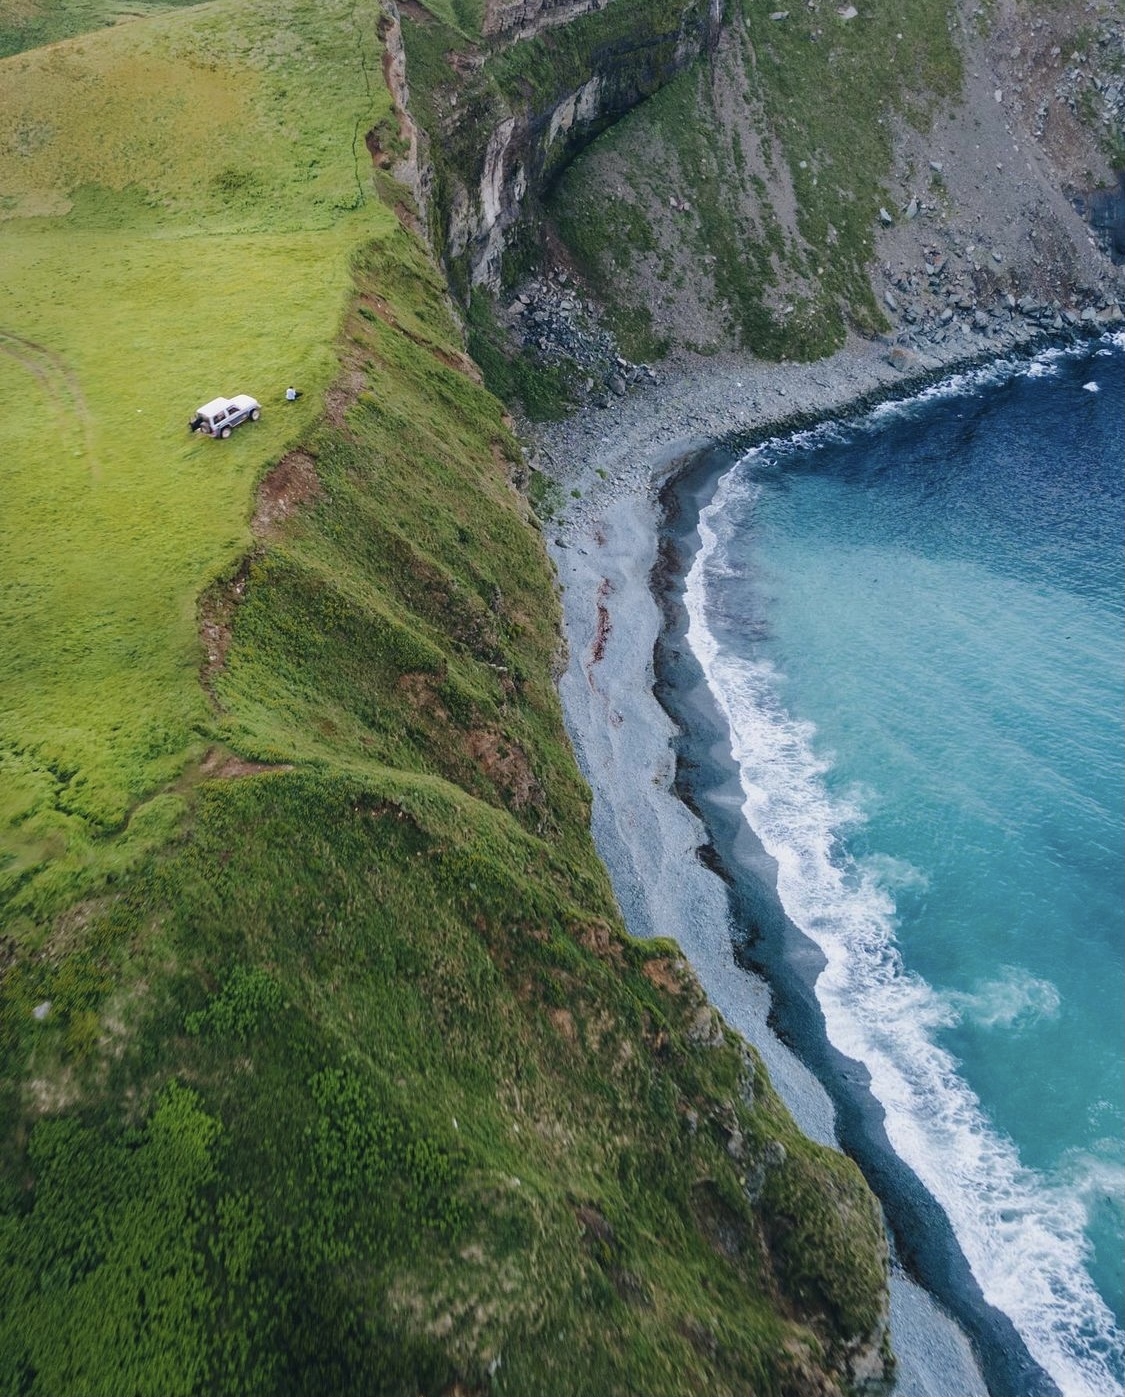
{"x":596,"y":1227}
{"x":563,"y":1021}
{"x":668,"y":975}
{"x":419,"y":688}
{"x":342,"y":394}
{"x":502,"y":761}
{"x":506,"y":766}
{"x":598,"y":938}
{"x":413,"y":10}
{"x":69,"y":932}
{"x":216,"y":613}
{"x":291,"y":483}
{"x":221,"y":765}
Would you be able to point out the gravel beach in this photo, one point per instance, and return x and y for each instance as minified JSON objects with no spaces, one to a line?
{"x":608,"y":466}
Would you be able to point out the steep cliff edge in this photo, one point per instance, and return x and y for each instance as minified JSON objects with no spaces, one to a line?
{"x":326,"y":1063}
{"x":504,"y":115}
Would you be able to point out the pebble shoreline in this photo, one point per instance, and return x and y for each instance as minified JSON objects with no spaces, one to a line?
{"x":607,"y":467}
{"x":693,"y":400}
{"x":942,"y":325}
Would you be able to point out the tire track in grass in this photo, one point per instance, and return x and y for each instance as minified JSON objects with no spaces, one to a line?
{"x":60,"y":383}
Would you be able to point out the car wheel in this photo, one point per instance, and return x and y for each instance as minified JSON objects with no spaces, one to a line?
{"x":255,"y":415}
{"x":225,"y":433}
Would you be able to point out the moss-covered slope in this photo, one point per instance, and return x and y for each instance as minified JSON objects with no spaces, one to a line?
{"x":358,"y":1085}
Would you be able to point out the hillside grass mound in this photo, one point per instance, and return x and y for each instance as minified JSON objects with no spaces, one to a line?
{"x":182,"y":200}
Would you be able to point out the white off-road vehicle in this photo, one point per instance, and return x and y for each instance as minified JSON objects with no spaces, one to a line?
{"x":220,"y":416}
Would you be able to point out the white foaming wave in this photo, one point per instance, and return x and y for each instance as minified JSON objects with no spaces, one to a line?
{"x":1046,"y":363}
{"x":1021,"y":1234}
{"x":1092,"y":387}
{"x":734,"y":491}
{"x":765,"y":454}
{"x":897,"y":875}
{"x":968,"y":383}
{"x":1097,"y":1174}
{"x":1016,"y":999}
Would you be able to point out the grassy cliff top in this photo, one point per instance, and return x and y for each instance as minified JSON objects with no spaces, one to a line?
{"x":325,"y":1064}
{"x":183,"y":196}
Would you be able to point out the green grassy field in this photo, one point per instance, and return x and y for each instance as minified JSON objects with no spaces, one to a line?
{"x":178,"y":222}
{"x":28,"y":24}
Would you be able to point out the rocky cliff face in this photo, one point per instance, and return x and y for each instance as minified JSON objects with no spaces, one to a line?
{"x":732,"y":177}
{"x":990,"y":208}
{"x":506,"y":118}
{"x":523,"y":19}
{"x":961,"y":209}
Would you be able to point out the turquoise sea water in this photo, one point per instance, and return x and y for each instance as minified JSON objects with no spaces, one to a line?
{"x":915,"y":628}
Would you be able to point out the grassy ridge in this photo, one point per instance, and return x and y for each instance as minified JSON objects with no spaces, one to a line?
{"x":332,"y":1070}
{"x":356,"y":1086}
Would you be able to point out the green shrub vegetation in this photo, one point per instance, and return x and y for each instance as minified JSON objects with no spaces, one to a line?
{"x":325,"y":1064}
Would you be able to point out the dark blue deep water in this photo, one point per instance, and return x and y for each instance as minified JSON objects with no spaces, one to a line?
{"x":914,"y":626}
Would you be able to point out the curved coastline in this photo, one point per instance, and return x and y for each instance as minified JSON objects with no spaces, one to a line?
{"x":769,"y":944}
{"x":667,"y":803}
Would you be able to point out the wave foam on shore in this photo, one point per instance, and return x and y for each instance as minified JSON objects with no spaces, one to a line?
{"x":1024,"y":1239}
{"x":604,"y":546}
